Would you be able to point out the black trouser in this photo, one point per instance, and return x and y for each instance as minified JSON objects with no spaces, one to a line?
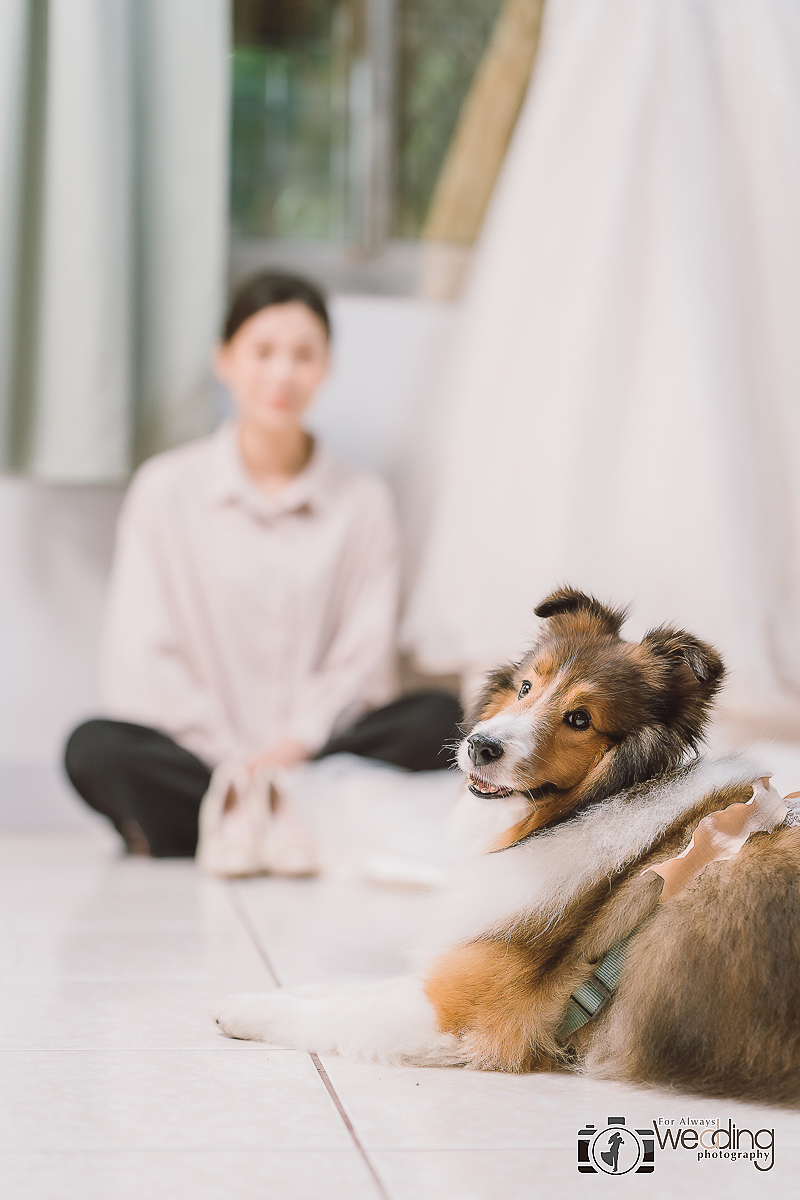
{"x":146,"y":784}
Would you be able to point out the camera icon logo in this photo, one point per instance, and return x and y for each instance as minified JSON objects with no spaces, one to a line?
{"x":616,"y":1150}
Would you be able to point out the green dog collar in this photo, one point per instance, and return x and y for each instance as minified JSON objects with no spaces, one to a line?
{"x":587,"y":1000}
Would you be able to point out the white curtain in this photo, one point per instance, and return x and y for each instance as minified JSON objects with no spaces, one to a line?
{"x":623,"y":392}
{"x":113,"y":204}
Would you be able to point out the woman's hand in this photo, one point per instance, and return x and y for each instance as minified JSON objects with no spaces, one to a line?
{"x":288,"y":752}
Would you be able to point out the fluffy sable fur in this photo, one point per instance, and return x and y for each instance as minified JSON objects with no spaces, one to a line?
{"x":588,"y":746}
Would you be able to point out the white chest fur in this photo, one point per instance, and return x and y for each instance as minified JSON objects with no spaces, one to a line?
{"x":490,"y":891}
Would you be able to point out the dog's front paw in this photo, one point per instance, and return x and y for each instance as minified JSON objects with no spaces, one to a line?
{"x":246,"y":1016}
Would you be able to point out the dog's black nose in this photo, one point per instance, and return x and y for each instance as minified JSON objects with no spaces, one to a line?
{"x":483,"y":750}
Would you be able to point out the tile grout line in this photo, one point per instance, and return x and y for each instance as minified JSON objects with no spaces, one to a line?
{"x":244,"y":917}
{"x":334,"y":1095}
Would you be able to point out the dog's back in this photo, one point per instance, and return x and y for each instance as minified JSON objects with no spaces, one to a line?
{"x":710,"y":997}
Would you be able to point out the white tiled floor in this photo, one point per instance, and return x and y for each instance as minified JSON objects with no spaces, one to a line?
{"x":115,"y":1084}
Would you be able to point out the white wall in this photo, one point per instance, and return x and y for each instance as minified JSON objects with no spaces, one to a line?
{"x":55,"y":544}
{"x":54,"y":553}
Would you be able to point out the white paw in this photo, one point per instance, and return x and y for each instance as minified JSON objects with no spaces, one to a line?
{"x":251,"y":1017}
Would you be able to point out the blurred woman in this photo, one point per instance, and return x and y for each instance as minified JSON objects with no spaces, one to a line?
{"x":253,"y":598}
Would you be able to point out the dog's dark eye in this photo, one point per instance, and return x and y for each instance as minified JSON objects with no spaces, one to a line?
{"x":579,"y":719}
{"x":526,"y":687}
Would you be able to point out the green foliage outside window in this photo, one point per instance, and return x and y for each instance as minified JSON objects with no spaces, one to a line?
{"x":440,"y":43}
{"x":295,"y":83}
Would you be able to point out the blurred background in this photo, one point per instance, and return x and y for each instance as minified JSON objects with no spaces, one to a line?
{"x":561,"y":241}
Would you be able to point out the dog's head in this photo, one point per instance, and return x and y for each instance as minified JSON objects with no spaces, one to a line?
{"x":585,"y":714}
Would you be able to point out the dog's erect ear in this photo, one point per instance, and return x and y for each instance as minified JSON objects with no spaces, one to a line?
{"x":705,"y":663}
{"x":567,"y":600}
{"x":678,"y":711}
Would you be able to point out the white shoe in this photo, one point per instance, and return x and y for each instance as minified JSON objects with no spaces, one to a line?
{"x":230,"y":836}
{"x":286,"y":847}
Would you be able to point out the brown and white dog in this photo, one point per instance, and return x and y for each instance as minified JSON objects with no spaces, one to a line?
{"x":591,"y":744}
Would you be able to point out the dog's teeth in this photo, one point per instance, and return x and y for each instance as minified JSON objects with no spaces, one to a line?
{"x":486,"y":789}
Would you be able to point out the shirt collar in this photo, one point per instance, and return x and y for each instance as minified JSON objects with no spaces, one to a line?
{"x":309,"y":490}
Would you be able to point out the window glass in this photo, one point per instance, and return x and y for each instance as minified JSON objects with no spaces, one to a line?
{"x":343,"y":111}
{"x":284,"y":136}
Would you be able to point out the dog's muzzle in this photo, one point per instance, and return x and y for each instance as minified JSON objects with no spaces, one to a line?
{"x":483,"y":751}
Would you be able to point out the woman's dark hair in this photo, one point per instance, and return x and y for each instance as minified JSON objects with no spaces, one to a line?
{"x":273,"y":287}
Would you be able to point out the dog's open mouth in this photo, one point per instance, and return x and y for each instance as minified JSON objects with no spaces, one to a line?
{"x":491,"y":790}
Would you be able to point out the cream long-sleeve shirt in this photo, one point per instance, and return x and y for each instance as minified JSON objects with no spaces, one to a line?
{"x":235,"y":618}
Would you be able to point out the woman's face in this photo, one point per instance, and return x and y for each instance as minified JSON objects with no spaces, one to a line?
{"x":274,"y":363}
